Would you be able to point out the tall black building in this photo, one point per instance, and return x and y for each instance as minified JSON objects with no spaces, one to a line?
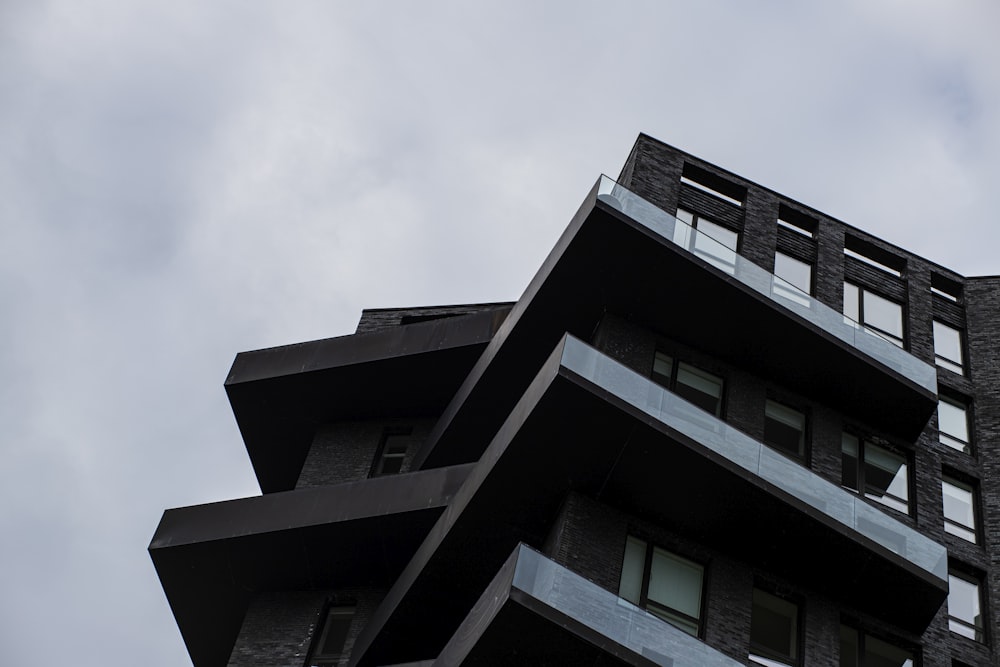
{"x":718,"y":428}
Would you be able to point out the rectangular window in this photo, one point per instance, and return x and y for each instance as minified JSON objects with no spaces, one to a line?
{"x":874,"y":256}
{"x":710,"y":241}
{"x":859,"y":649}
{"x":391,"y":452}
{"x":879,"y":473}
{"x":876,"y":314}
{"x":946,"y":288}
{"x":948,"y":348}
{"x":965,"y":615}
{"x":707,"y":182}
{"x":663,"y":583}
{"x":959,"y":501}
{"x":797,"y":222}
{"x":328,"y":647}
{"x":774,"y":631}
{"x":796,"y":278}
{"x":690,"y":383}
{"x":953,"y":425}
{"x":785,"y":429}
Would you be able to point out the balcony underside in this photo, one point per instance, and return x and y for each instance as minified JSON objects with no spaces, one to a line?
{"x":608,"y":261}
{"x":281,"y":395}
{"x":536,"y":612}
{"x":583,"y":425}
{"x":212,"y":559}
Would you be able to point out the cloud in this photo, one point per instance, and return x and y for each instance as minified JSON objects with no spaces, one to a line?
{"x":181,"y":181}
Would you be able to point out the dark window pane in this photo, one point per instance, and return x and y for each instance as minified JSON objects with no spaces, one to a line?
{"x":849,"y":452}
{"x":784,"y":429}
{"x":773,"y":630}
{"x":698,"y":387}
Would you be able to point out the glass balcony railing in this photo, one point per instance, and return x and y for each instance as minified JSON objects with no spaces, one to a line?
{"x":845,"y":508}
{"x":774,"y":288}
{"x":608,"y":615}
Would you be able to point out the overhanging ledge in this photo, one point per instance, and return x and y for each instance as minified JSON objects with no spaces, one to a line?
{"x":623,"y":255}
{"x":280,"y":395}
{"x":211,"y":559}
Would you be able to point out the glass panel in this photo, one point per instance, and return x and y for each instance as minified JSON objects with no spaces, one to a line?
{"x":849,"y":462}
{"x":886,"y":478}
{"x":634,"y":562}
{"x":683,"y":232}
{"x":852,"y":303}
{"x":716,"y":245}
{"x":948,"y":347}
{"x":953,"y":425}
{"x":675,"y":583}
{"x":796,"y":274}
{"x":959,"y":509}
{"x":883,"y":654}
{"x":773,"y":629}
{"x":611,"y":621}
{"x":963,"y":608}
{"x":701,"y":388}
{"x":784,"y":428}
{"x":883,"y":315}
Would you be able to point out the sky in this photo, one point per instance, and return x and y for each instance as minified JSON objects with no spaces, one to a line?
{"x":181,"y":181}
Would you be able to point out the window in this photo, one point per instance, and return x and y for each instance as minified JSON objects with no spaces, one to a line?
{"x":692,"y":384}
{"x":959,"y":501}
{"x":329,"y":644}
{"x":796,"y":278}
{"x":877,"y":314}
{"x":948,"y":348}
{"x":859,"y":649}
{"x":953,"y":425}
{"x":706,"y":181}
{"x":946,"y":288}
{"x":391,"y":452}
{"x":965,"y":606}
{"x":879,"y":473}
{"x":872,"y":255}
{"x":785,"y":429}
{"x":794,"y":221}
{"x":774,"y":631}
{"x":663,"y":583}
{"x":712,"y":242}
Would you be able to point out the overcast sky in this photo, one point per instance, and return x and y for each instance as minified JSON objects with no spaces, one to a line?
{"x":180,"y":181}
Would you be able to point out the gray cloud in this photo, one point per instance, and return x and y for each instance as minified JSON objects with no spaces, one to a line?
{"x":181,"y":181}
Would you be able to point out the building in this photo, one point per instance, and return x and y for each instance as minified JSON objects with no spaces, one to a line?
{"x":718,"y":428}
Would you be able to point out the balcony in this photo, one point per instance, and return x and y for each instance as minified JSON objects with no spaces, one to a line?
{"x":280,"y":395}
{"x":588,"y":424}
{"x":623,"y":255}
{"x":536,"y":611}
{"x":212,"y":559}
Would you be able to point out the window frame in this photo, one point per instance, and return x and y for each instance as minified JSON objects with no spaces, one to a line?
{"x":690,"y":221}
{"x":660,"y":610}
{"x":789,"y":290}
{"x":864,"y":442}
{"x":670,"y":382}
{"x":958,"y":527}
{"x":757,"y":655}
{"x":381,"y":456}
{"x":859,"y":317}
{"x":948,"y":439}
{"x":958,"y":367}
{"x":315,"y":658}
{"x":804,"y":437}
{"x":978,"y":632}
